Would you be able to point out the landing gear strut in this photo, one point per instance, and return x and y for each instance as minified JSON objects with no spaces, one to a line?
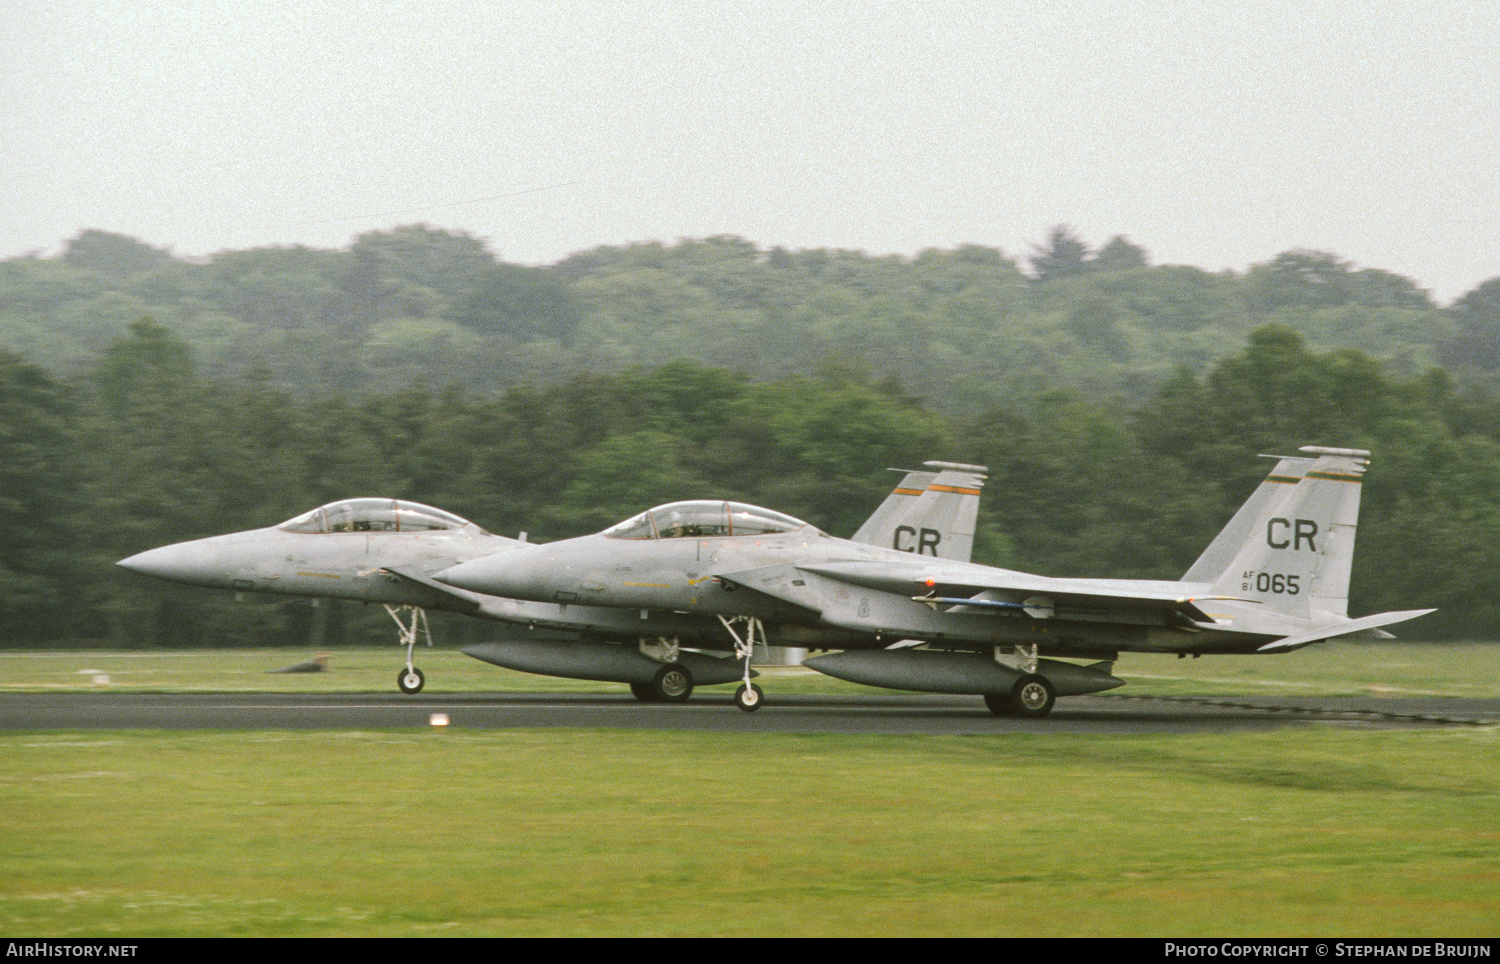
{"x":410,"y":680}
{"x":748,"y":697}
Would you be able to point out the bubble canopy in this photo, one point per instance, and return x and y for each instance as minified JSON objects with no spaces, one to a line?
{"x":374,"y":515}
{"x":704,"y":519}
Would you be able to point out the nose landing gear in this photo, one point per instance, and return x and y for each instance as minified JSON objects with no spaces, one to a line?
{"x":748,"y":697}
{"x":410,"y":680}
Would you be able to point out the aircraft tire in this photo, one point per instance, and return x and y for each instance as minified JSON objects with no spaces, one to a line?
{"x":645,"y":692}
{"x":410,"y":682}
{"x":673,"y":683}
{"x":999,"y":704}
{"x":749,"y":698}
{"x":1032,"y":696}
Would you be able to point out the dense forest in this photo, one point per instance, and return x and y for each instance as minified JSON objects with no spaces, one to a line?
{"x":966,"y":329}
{"x":146,"y":399}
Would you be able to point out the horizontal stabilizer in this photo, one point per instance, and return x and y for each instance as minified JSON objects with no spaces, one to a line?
{"x":1344,"y":629}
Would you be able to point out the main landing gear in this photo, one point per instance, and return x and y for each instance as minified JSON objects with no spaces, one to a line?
{"x":410,"y":680}
{"x":673,"y":684}
{"x":748,"y":697}
{"x":1031,"y":696}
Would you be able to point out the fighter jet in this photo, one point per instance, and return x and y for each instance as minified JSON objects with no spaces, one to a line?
{"x":369,"y":549}
{"x":385,"y":551}
{"x":1275,"y":579}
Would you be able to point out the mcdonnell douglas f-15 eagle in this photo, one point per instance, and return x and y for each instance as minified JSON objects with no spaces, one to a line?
{"x":385,"y":551}
{"x":1276,"y":578}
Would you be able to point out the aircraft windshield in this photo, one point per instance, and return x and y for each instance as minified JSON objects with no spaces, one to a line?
{"x":374,"y":515}
{"x":693,"y":520}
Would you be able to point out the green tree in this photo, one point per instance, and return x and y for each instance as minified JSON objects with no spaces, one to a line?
{"x":277,"y":289}
{"x":1475,"y":344}
{"x":1095,"y":322}
{"x":424,"y":257}
{"x":152,"y":361}
{"x":41,"y":559}
{"x":1120,"y":255}
{"x":522,"y":303}
{"x":113,"y":254}
{"x":1064,"y":255}
{"x":1077,"y":495}
{"x":1300,"y":279}
{"x":622,"y":475}
{"x":1374,"y":288}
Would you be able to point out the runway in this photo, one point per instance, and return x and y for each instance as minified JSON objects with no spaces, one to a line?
{"x":875,"y":714}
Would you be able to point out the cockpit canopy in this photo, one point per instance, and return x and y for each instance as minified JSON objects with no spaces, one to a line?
{"x":374,"y":515}
{"x":706,"y":519}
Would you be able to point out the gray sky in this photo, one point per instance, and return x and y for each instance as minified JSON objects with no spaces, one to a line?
{"x":1210,"y":132}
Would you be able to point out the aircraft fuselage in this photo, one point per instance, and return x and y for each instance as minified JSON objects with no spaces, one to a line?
{"x":772,"y":578}
{"x":338,"y":565}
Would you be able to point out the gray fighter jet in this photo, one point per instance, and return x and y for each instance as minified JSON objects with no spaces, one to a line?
{"x":371,"y":550}
{"x":1275,"y":579}
{"x":386,"y":550}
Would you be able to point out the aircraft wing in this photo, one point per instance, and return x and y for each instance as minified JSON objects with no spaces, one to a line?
{"x":971,"y":588}
{"x":463,"y":600}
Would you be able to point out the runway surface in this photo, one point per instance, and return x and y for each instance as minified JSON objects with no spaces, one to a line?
{"x":875,"y":714}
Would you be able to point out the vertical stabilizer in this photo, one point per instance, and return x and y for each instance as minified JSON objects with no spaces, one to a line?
{"x":1252,"y":516}
{"x":1297,"y":557}
{"x":930,"y":512}
{"x":882,"y":523}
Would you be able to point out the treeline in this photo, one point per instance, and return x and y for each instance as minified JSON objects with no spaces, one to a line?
{"x":966,"y":329}
{"x":145,"y":448}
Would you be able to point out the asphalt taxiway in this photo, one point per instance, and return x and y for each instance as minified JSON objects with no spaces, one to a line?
{"x":896,"y":713}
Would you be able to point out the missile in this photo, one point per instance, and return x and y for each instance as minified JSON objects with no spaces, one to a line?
{"x":974,"y":674}
{"x":1037,"y":607}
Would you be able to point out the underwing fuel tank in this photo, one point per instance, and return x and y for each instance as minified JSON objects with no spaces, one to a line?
{"x":606,"y":662}
{"x":973,"y":674}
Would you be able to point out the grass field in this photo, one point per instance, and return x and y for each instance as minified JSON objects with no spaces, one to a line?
{"x":1336,"y":668}
{"x":1313,"y":830}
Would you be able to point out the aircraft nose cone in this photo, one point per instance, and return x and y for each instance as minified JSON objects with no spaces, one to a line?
{"x":496,"y":576}
{"x":184,"y":562}
{"x":163,"y":563}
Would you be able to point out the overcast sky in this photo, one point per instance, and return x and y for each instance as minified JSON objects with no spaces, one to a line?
{"x":1210,"y":132}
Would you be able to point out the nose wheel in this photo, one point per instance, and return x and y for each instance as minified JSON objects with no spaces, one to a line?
{"x":749,"y":697}
{"x":410,"y":680}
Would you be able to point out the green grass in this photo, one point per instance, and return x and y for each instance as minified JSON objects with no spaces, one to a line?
{"x":1312,"y":830}
{"x":1300,"y":832}
{"x":1331,"y":669}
